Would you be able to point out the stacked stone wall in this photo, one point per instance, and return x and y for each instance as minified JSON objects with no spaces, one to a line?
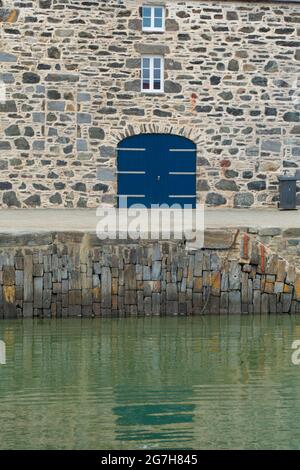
{"x":72,"y":274}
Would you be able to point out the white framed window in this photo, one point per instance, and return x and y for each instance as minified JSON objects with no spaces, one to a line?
{"x":152,"y":76}
{"x":153,"y":18}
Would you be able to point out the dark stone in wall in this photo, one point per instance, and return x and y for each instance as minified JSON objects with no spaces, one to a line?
{"x":133,"y":85}
{"x":133,"y":63}
{"x":10,"y":199}
{"x":107,"y":151}
{"x":3,"y":165}
{"x":235,"y":111}
{"x":171,"y":64}
{"x":256,"y":16}
{"x":270,"y":111}
{"x":29,"y":132}
{"x":233,"y":65}
{"x":172,"y":87}
{"x":60,"y":77}
{"x":59,"y":185}
{"x":293,"y":116}
{"x":226,"y":95}
{"x":4,"y":145}
{"x":257,"y":185}
{"x":203,"y":109}
{"x":33,"y":201}
{"x":134,"y":112}
{"x":215,"y":80}
{"x":79,"y":187}
{"x":8,"y":106}
{"x":107,"y":110}
{"x":215,"y":199}
{"x":289,"y":164}
{"x":232,"y":16}
{"x":135,"y":24}
{"x":12,"y":130}
{"x":40,"y":187}
{"x":22,"y":144}
{"x":53,"y":95}
{"x":82,"y":202}
{"x":183,"y":37}
{"x":171,"y":25}
{"x":260,"y":81}
{"x":161,"y":113}
{"x":152,"y":49}
{"x":202,"y":185}
{"x":53,"y":53}
{"x":202,"y":161}
{"x":226,"y":185}
{"x":45,"y":4}
{"x":30,"y":77}
{"x":52,"y":175}
{"x":96,"y":133}
{"x":183,"y":14}
{"x":56,"y":199}
{"x":231,"y":174}
{"x":271,"y":66}
{"x":5,"y":185}
{"x":288,"y":43}
{"x":100,"y":187}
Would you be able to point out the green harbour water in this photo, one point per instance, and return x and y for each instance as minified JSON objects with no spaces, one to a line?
{"x":211,"y":382}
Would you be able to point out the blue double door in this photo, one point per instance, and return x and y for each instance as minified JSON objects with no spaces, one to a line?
{"x":156,"y":169}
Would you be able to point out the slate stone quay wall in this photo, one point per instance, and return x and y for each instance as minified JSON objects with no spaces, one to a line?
{"x":67,"y":275}
{"x":72,"y":74}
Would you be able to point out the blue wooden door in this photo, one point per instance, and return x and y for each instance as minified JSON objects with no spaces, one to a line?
{"x":157,"y":169}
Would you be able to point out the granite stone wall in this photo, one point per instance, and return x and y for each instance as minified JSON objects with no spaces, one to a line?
{"x":72,"y":74}
{"x":66,"y":275}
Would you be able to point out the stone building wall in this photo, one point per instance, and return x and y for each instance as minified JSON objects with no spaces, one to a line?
{"x":72,"y":75}
{"x":75,"y":274}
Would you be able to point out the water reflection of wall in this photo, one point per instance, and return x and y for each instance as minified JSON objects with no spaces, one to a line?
{"x":150,"y":382}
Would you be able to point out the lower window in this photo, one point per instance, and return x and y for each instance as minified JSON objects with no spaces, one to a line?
{"x":152,"y":74}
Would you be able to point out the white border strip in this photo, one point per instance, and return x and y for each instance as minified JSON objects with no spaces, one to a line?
{"x":182,"y":150}
{"x":131,"y":195}
{"x":130,"y":149}
{"x":182,"y":173}
{"x":131,"y":172}
{"x":180,"y":195}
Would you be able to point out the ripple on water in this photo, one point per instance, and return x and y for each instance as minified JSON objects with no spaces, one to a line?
{"x":162,"y":383}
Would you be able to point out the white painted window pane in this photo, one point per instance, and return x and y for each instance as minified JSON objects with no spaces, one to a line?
{"x":146,"y":85}
{"x":158,"y":23}
{"x":157,"y":74}
{"x":146,"y":62}
{"x":147,"y":22}
{"x":158,"y":12}
{"x":157,"y":63}
{"x":146,"y":12}
{"x":157,"y":85}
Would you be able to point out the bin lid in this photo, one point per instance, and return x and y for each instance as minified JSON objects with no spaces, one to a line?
{"x":287,"y":178}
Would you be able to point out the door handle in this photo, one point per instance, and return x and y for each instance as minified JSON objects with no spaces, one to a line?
{"x":158,"y":178}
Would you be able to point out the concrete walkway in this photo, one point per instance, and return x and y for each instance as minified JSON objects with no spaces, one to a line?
{"x":85,"y":220}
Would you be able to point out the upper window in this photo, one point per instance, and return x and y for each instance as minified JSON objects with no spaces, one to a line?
{"x":152,"y":74}
{"x":153,"y":18}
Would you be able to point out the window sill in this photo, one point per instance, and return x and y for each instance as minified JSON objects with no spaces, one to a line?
{"x":153,"y":31}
